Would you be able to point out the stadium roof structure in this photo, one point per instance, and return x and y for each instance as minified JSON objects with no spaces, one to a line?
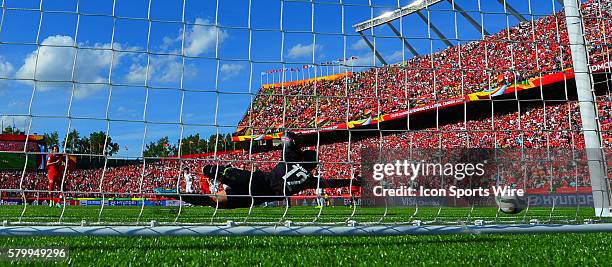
{"x":387,"y":17}
{"x":416,"y":7}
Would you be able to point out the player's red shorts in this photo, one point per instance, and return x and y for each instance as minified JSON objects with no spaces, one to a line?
{"x":54,"y":176}
{"x":204,"y":185}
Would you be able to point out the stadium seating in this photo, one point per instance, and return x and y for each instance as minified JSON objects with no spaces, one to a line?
{"x":521,"y":52}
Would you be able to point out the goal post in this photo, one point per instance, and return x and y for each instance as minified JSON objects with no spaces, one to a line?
{"x":598,"y":174}
{"x":442,"y":116}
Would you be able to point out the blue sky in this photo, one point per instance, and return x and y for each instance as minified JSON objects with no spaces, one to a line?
{"x":229,"y":80}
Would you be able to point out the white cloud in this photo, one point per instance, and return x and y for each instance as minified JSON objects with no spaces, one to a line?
{"x":127,"y":111}
{"x":230,"y":70}
{"x":162,"y":69}
{"x":359,"y":45}
{"x":15,"y":103}
{"x":300,"y":50}
{"x":6,"y":71}
{"x":137,"y":73}
{"x":368,"y":59}
{"x":200,"y":38}
{"x":364,"y":60}
{"x":53,"y":63}
{"x":397,"y":56}
{"x":6,"y":68}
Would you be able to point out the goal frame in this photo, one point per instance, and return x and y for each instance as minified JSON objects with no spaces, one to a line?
{"x":596,"y":164}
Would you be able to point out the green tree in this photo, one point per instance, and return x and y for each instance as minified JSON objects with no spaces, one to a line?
{"x":12,"y":130}
{"x":97,"y":141}
{"x":193,"y":144}
{"x":212,"y":143}
{"x":230,"y":145}
{"x":160,"y":148}
{"x":52,"y":139}
{"x":7,"y":130}
{"x":94,"y":144}
{"x":219,"y":141}
{"x":73,"y":142}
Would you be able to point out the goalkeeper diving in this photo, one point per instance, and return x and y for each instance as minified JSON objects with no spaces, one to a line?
{"x":244,"y":188}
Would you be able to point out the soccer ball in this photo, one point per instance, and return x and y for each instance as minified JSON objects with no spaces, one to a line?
{"x":511,"y":204}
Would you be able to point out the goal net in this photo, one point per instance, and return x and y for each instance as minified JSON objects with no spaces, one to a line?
{"x":429,"y":106}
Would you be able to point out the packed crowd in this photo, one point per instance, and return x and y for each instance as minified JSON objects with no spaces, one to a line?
{"x":530,"y":49}
{"x":15,"y":146}
{"x":544,"y":126}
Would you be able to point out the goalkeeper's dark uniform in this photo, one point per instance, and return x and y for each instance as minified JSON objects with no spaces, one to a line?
{"x":290,"y":176}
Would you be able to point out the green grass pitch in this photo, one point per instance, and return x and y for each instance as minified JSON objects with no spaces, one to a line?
{"x":548,"y":249}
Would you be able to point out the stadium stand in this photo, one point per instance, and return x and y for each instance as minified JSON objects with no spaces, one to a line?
{"x":528,"y":50}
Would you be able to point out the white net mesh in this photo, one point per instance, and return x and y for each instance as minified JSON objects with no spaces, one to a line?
{"x":141,"y":95}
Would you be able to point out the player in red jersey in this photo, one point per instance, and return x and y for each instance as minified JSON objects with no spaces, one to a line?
{"x":204,"y":185}
{"x":209,"y":186}
{"x":55,"y":171}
